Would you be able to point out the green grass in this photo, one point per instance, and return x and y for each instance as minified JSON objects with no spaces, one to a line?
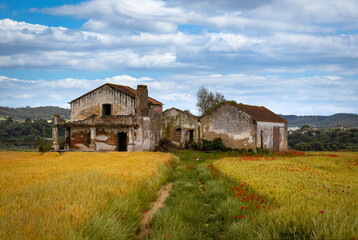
{"x":204,"y":202}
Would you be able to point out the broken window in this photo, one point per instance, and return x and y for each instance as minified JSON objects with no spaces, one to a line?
{"x":106,"y":109}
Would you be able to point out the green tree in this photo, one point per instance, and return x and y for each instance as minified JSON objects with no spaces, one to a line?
{"x":207,"y":99}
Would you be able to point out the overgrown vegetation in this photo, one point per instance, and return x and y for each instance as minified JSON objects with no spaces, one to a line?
{"x":324,"y":140}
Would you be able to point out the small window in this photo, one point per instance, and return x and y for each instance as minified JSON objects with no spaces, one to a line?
{"x":106,"y":109}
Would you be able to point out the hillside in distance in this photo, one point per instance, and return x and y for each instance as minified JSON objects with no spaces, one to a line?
{"x":346,"y":119}
{"x":34,"y":113}
{"x":47,"y":112}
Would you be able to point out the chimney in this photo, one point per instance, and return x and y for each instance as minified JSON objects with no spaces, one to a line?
{"x":141,"y":100}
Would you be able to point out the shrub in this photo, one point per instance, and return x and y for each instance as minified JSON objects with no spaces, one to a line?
{"x":44,"y":146}
{"x":215,"y":145}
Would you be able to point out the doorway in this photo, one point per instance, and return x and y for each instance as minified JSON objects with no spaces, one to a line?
{"x":122,"y":142}
{"x":191,"y":136}
{"x":276,"y":139}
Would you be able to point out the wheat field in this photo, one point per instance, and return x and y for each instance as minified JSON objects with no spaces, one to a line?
{"x":48,"y":196}
{"x":311,"y":197}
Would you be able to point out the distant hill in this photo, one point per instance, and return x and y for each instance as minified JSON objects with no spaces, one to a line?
{"x":34,"y":113}
{"x":346,"y":119}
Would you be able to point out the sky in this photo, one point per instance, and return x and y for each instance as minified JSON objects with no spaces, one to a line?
{"x":291,"y":56}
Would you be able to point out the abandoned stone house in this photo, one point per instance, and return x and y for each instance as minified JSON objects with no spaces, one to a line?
{"x":119,"y":118}
{"x":245,"y":126}
{"x":180,"y":127}
{"x":111,"y":118}
{"x":238,"y":125}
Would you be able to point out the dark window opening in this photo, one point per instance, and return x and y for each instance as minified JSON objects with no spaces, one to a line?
{"x":191,"y":136}
{"x":122,"y":142}
{"x":88,"y":138}
{"x":262,"y":139}
{"x":106,"y":109}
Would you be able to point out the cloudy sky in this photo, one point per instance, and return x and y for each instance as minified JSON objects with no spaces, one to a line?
{"x":292,"y":56}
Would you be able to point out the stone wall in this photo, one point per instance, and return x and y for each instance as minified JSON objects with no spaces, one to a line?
{"x":236,"y":128}
{"x":176,"y":126}
{"x":148,"y":134}
{"x":122,"y":104}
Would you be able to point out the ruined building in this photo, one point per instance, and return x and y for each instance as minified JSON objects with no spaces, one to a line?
{"x":119,"y":118}
{"x":245,"y":126}
{"x":180,"y":127}
{"x":238,"y":125}
{"x":111,"y":118}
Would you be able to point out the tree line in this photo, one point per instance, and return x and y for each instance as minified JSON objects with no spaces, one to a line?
{"x":34,"y":113}
{"x":324,"y":140}
{"x":25,"y":134}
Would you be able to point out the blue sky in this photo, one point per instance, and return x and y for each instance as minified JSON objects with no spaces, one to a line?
{"x":292,"y":56}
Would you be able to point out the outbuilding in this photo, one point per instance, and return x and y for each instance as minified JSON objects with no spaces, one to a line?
{"x":245,"y":126}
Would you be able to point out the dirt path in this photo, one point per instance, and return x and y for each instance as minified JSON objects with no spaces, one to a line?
{"x":147,"y":217}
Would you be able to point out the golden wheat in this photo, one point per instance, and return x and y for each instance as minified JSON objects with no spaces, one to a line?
{"x":49,"y":195}
{"x":311,"y":196}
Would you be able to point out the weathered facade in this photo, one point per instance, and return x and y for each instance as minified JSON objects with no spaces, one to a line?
{"x":180,"y":127}
{"x":245,"y":126}
{"x":112,"y":118}
{"x":119,"y":118}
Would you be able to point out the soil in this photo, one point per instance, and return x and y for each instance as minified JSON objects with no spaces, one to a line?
{"x":147,"y":217}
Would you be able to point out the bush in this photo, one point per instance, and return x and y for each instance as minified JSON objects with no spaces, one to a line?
{"x":44,"y":146}
{"x":215,"y":145}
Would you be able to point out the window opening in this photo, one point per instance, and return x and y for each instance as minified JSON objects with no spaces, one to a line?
{"x":106,"y":109}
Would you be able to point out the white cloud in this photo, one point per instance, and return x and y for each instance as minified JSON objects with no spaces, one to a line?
{"x":105,"y":60}
{"x":128,"y":15}
{"x":33,"y":45}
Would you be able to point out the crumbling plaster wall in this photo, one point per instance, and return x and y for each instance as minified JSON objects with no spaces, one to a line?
{"x":267,"y":133}
{"x":122,"y":104}
{"x":105,"y":139}
{"x":172,"y":119}
{"x":147,"y":135}
{"x":236,"y":128}
{"x":78,"y":138}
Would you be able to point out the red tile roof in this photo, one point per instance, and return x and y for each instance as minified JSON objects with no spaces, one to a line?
{"x":125,"y":89}
{"x":260,"y":113}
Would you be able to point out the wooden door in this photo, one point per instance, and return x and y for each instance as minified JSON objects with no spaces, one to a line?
{"x":276,"y":139}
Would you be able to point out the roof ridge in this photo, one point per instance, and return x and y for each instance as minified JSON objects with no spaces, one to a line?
{"x":125,"y":89}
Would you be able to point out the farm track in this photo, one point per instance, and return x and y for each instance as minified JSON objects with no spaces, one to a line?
{"x":155,"y":206}
{"x":190,"y":210}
